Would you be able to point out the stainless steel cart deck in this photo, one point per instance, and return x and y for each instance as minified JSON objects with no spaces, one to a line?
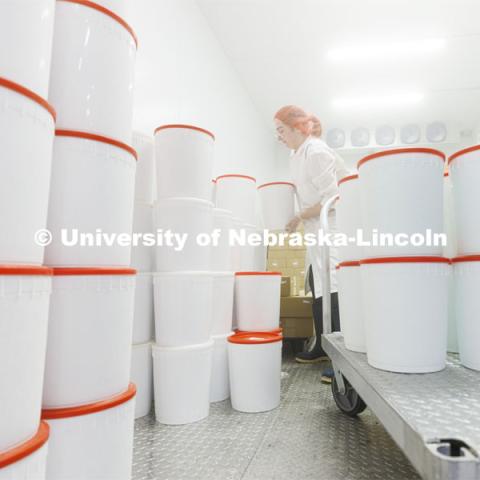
{"x":434,"y":418}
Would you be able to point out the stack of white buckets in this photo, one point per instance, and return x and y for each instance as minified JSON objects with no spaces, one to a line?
{"x":143,"y":260}
{"x":87,"y":399}
{"x":183,"y":282}
{"x":394,"y":300}
{"x":27,"y":125}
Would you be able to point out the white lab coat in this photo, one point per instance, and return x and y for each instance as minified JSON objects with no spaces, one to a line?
{"x":316,"y":170}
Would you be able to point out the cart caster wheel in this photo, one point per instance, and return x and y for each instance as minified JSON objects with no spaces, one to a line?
{"x":350,"y":402}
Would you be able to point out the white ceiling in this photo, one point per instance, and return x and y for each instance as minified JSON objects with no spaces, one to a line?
{"x":279,"y":49}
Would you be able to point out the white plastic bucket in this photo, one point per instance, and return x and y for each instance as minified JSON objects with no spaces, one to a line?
{"x":401,"y":192}
{"x":220,"y":380}
{"x":145,"y":176}
{"x":350,"y":304}
{"x":238,"y":194}
{"x":92,"y":441}
{"x":213,"y":190}
{"x":93,"y":62}
{"x":349,"y":217}
{"x":143,"y":255}
{"x":142,"y":377}
{"x":278,"y":204}
{"x":223,"y":289}
{"x":184,"y":161}
{"x":182,"y":383}
{"x":236,"y":248}
{"x":188,"y":217}
{"x":255,"y":363}
{"x":27,"y":124}
{"x":257,"y":300}
{"x":450,"y":251}
{"x":24,"y":298}
{"x":89,"y":335}
{"x":222,"y":252}
{"x":467,"y":308}
{"x":28,"y":26}
{"x":464,"y":168}
{"x":183,"y":308}
{"x":405,"y":301}
{"x":143,"y":319}
{"x":248,"y":251}
{"x":27,"y":461}
{"x":92,"y":187}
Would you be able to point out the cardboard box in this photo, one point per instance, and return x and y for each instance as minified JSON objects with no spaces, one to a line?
{"x":294,"y":262}
{"x":286,"y":287}
{"x":276,"y":263}
{"x":297,"y":327}
{"x":296,"y":307}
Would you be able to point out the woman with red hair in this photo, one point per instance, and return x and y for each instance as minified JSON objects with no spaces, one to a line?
{"x":316,"y":170}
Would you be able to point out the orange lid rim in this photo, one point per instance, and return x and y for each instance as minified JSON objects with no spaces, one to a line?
{"x":274,"y":331}
{"x":276,"y":183}
{"x":254,"y":338}
{"x":25,"y":449}
{"x":78,"y":271}
{"x":25,"y":270}
{"x":407,"y":259}
{"x":68,"y":412}
{"x":237,"y":175}
{"x":395,"y":151}
{"x":347,"y":179}
{"x":184,"y":126}
{"x":455,"y":155}
{"x":466,"y":258}
{"x":349,"y":263}
{"x":16,"y":87}
{"x":242,"y":274}
{"x":96,"y":138}
{"x":109,"y":13}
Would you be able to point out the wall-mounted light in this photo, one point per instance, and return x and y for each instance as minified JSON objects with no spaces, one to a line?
{"x":378,"y":101}
{"x":360,"y":137}
{"x":385,"y":50}
{"x":436,"y":132}
{"x":410,"y":134}
{"x":384,"y":135}
{"x":336,"y":138}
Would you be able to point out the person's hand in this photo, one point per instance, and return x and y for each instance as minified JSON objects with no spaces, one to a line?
{"x":292,"y":225}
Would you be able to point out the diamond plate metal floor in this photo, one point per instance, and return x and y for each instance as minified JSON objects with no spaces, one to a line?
{"x":307,"y":437}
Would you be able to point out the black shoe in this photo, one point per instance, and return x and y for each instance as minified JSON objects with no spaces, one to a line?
{"x":327,"y":376}
{"x":311,"y":357}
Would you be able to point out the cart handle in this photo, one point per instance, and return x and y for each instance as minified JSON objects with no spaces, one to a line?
{"x":326,"y":300}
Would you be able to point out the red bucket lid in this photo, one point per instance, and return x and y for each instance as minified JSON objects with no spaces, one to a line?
{"x":347,"y":179}
{"x":276,"y":183}
{"x":275,"y":331}
{"x":350,"y":263}
{"x":29,"y":94}
{"x":96,"y":138}
{"x":106,"y":11}
{"x":27,"y":448}
{"x":466,"y":258}
{"x":254,"y":338}
{"x":419,"y":259}
{"x":66,"y":271}
{"x":386,"y":153}
{"x":463,"y":152}
{"x":25,"y":270}
{"x":188,"y":127}
{"x":67,"y":412}
{"x":236,"y":175}
{"x":239,"y":274}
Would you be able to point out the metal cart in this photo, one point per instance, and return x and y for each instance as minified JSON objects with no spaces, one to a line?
{"x":434,"y":418}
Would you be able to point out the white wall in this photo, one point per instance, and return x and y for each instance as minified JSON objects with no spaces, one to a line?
{"x":184,"y":76}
